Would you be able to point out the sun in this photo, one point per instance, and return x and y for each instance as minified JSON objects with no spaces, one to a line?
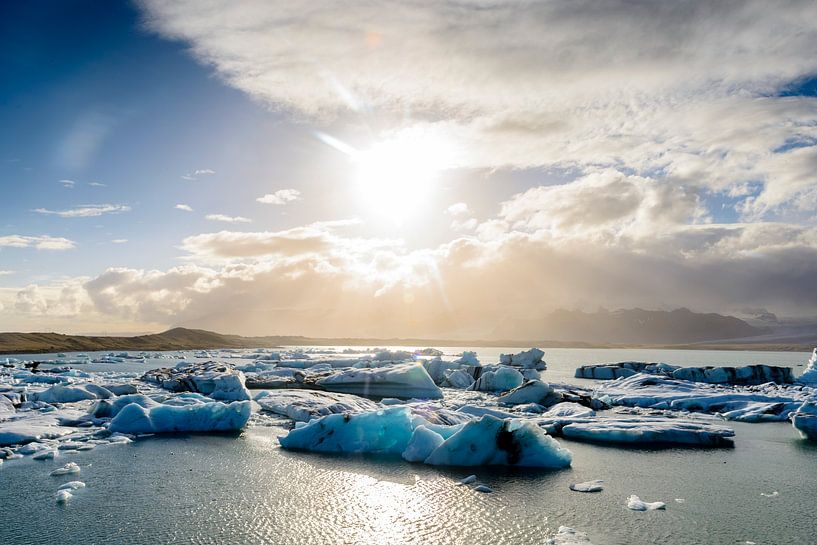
{"x":396,"y":177}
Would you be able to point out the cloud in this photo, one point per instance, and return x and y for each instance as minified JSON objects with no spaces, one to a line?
{"x":198,"y":172}
{"x":648,"y":88}
{"x":227,"y":219}
{"x":119,"y":241}
{"x":68,"y":184}
{"x":185,"y":207}
{"x":97,"y":184}
{"x":462,"y":217}
{"x":41,"y":242}
{"x":86,"y":210}
{"x":6,"y":273}
{"x":280,"y":197}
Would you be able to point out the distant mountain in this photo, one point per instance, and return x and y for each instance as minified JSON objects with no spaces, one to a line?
{"x":678,"y":328}
{"x":630,"y":326}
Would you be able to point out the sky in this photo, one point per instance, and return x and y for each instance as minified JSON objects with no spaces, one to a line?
{"x":381,"y":169}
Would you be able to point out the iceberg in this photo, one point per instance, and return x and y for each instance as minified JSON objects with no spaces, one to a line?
{"x":422,"y":443}
{"x":568,"y":536}
{"x":494,"y":441}
{"x":649,"y":431}
{"x":809,"y":376}
{"x":498,"y":379}
{"x":218,"y":380}
{"x":67,"y":469}
{"x":63,"y":496}
{"x":386,"y":431}
{"x":635,"y":503}
{"x":196,"y":417}
{"x":72,"y":394}
{"x":744,"y":376}
{"x":402,"y":380}
{"x":528,"y":359}
{"x":459,"y":379}
{"x":804,"y":420}
{"x":109,"y":408}
{"x":72,"y":485}
{"x":395,"y":430}
{"x":304,"y":405}
{"x":588,"y":486}
{"x":734,"y":402}
{"x":532,"y":391}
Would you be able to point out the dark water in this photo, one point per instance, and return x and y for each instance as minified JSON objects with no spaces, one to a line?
{"x":238,"y":489}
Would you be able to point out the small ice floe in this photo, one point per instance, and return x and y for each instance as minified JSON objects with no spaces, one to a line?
{"x":63,"y":496}
{"x":47,"y":454}
{"x":680,"y":500}
{"x":483,"y":488}
{"x":468,"y":480}
{"x":568,"y":536}
{"x":768,"y":495}
{"x":67,"y":469}
{"x":588,"y":486}
{"x":72,"y":485}
{"x":635,"y":503}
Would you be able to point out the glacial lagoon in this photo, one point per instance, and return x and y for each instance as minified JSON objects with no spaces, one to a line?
{"x":243,"y":488}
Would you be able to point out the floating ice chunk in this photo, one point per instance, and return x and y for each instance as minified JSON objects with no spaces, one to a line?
{"x":680,"y":500}
{"x":529,"y":359}
{"x":198,"y":417}
{"x":107,"y":408}
{"x":650,"y":431}
{"x":385,"y":431}
{"x":569,"y":409}
{"x":569,"y":536}
{"x":468,"y":358}
{"x":404,"y":380}
{"x":485,"y":489}
{"x":588,"y":486}
{"x":500,"y":379}
{"x":395,"y":356}
{"x":422,"y":443}
{"x":772,"y":495}
{"x":809,"y":376}
{"x":468,"y":480}
{"x":63,"y":496}
{"x":459,"y":379}
{"x":304,"y":405}
{"x":67,"y":469}
{"x":635,"y":503}
{"x":217,"y":380}
{"x":532,"y":391}
{"x":72,"y":394}
{"x":47,"y":454}
{"x":72,"y":485}
{"x":804,"y":420}
{"x":492,"y":441}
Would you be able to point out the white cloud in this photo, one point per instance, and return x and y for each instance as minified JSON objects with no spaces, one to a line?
{"x":86,"y":210}
{"x":648,"y":88}
{"x":97,"y":184}
{"x":185,"y":207}
{"x":6,"y":273}
{"x":119,"y":241}
{"x":280,"y":197}
{"x":461,"y":217}
{"x":41,"y":242}
{"x":68,"y":184}
{"x":198,"y":172}
{"x":227,"y":219}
